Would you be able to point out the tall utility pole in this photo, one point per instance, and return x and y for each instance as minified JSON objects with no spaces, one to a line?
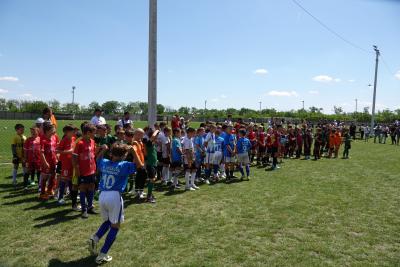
{"x":152,"y":79}
{"x":303,"y":103}
{"x":260,"y":105}
{"x":205,"y":105}
{"x":375,"y":82}
{"x":73,"y":94}
{"x":356,"y":104}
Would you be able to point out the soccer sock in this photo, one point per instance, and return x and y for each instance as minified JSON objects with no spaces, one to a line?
{"x":175,"y":177}
{"x":24,"y":170}
{"x":14,"y":176}
{"x":216,"y":167}
{"x":102,"y":230}
{"x":112,"y":234}
{"x":74,"y":197}
{"x":26,"y":179}
{"x":82,"y":196}
{"x":198,"y":172}
{"x":208,"y":173}
{"x":90,"y":196}
{"x":241,"y":170}
{"x":193,"y":176}
{"x":61,"y":190}
{"x":248,"y":170}
{"x":187,"y":179}
{"x":38,"y":177}
{"x":43,"y":180}
{"x":150,"y":186}
{"x":231,"y":173}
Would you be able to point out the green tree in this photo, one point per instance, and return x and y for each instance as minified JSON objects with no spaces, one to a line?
{"x":93,"y":105}
{"x":111,"y":107}
{"x":160,"y":109}
{"x":3,"y":104}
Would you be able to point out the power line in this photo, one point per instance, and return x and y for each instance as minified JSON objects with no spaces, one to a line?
{"x":387,"y":66}
{"x":330,"y":30}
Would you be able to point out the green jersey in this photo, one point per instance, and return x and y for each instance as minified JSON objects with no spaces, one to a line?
{"x":151,"y":155}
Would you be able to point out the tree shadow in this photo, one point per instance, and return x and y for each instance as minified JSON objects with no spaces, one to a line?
{"x":88,"y":261}
{"x":56,"y":218}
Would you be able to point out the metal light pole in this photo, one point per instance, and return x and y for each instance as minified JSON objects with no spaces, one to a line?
{"x":73,"y":94}
{"x":205,"y":105}
{"x":303,"y":103}
{"x":375,"y":83}
{"x":356,"y":104}
{"x":152,"y":78}
{"x":260,"y":105}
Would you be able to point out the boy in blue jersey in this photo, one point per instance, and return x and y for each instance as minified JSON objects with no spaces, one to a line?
{"x":114,"y":178}
{"x":223,"y":136}
{"x":218,"y":154}
{"x":230,"y":152}
{"x":176,"y":156}
{"x":209,"y":143}
{"x":243,"y":147}
{"x":199,"y":152}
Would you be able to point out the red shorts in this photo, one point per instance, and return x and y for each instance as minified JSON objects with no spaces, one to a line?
{"x":50,"y":170}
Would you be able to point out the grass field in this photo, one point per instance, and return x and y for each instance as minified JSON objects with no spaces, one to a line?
{"x":325,"y":213}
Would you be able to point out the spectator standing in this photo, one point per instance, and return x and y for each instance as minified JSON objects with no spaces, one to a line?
{"x":97,"y":118}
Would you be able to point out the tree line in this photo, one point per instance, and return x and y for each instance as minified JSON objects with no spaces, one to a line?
{"x":116,"y":108}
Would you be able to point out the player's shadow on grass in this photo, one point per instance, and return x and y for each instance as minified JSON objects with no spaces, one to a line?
{"x":21,"y":201}
{"x":87,"y":262}
{"x":44,"y":205}
{"x":20,"y":193}
{"x":60,"y":216}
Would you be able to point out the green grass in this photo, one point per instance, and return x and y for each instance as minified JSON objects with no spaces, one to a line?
{"x":325,"y":213}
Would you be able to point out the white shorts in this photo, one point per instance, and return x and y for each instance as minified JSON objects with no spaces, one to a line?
{"x":217,"y":158}
{"x":230,"y":159}
{"x":209,"y":158}
{"x":243,"y":158}
{"x":111,"y":206}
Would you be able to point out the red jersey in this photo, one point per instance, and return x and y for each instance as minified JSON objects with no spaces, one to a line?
{"x":85,"y":151}
{"x":251,"y":135}
{"x":275,"y":139}
{"x":66,"y":159}
{"x":32,"y":148}
{"x":48,"y":147}
{"x":261,"y":138}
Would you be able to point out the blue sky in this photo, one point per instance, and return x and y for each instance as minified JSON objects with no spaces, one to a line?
{"x":232,"y":53}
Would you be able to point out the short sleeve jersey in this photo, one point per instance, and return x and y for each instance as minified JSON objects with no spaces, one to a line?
{"x":210,"y":139}
{"x":32,"y":148}
{"x":48,"y":147}
{"x":243,"y":145}
{"x":188,"y":145}
{"x":114,"y":175}
{"x":85,"y":152}
{"x":66,"y":159}
{"x":175,"y":154}
{"x":19,"y":141}
{"x":219,"y":143}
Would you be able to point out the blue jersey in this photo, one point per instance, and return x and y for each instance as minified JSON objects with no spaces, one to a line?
{"x":198,"y":140}
{"x":176,"y":148}
{"x":219,"y":144}
{"x":243,"y":145}
{"x":114,"y":175}
{"x":230,"y":140}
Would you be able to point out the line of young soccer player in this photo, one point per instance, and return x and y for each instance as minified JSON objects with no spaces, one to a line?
{"x":89,"y":160}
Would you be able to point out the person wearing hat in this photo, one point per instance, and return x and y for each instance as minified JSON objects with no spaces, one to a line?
{"x":97,"y":118}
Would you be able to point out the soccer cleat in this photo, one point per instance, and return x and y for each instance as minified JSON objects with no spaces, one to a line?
{"x":84,"y":214}
{"x":151,"y":200}
{"x":33,"y":183}
{"x":142,"y":195}
{"x":190,"y":189}
{"x":195,"y":187}
{"x":76,"y":208}
{"x":92,"y":246}
{"x":242,"y":177}
{"x":248,"y":178}
{"x":103,"y":258}
{"x":61,"y":202}
{"x":207,"y":181}
{"x":91,"y":211}
{"x":43,"y":196}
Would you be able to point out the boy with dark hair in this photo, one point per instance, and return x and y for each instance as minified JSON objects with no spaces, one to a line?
{"x":17,"y":148}
{"x":176,"y":156}
{"x":150,"y":162}
{"x":347,"y":143}
{"x":65,"y":149}
{"x":307,"y":144}
{"x":32,"y":156}
{"x":114,"y":178}
{"x":85,"y":168}
{"x":230,"y":152}
{"x":209,"y":145}
{"x":243,"y":148}
{"x":189,"y":160}
{"x":317,"y":144}
{"x":48,"y":159}
{"x":139,"y":155}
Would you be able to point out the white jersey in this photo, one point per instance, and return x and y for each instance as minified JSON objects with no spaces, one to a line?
{"x":210,"y":139}
{"x":160,"y":139}
{"x":122,"y":122}
{"x":188,"y":145}
{"x":166,"y":145}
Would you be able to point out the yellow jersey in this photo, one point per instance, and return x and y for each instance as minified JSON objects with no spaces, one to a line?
{"x":18,"y":141}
